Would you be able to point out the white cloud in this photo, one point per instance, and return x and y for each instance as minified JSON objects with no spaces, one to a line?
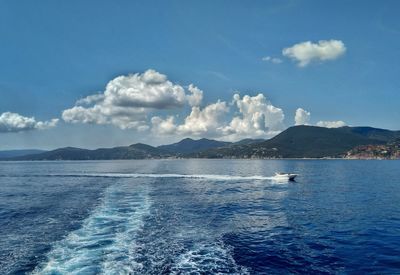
{"x":163,"y":126}
{"x":204,"y":121}
{"x":13,"y":122}
{"x":127,"y":100}
{"x":195,"y":97}
{"x":148,"y":90}
{"x":271,"y":59}
{"x":257,"y":118}
{"x":306,"y":52}
{"x":331,"y":124}
{"x":200,"y":122}
{"x":302,"y":117}
{"x":90,"y":99}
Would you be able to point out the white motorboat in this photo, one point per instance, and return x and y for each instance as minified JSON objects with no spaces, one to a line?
{"x":285,"y":176}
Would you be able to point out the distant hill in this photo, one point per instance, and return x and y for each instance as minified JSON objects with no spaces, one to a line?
{"x":294,"y":142}
{"x":188,"y":145}
{"x":302,"y":142}
{"x":135,"y":151}
{"x":248,"y":141}
{"x":18,"y":153}
{"x":375,"y":133}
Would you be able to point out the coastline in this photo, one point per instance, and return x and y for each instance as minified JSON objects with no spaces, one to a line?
{"x":177,"y":158}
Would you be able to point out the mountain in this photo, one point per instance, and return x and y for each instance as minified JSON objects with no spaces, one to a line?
{"x":303,"y":142}
{"x":18,"y":153}
{"x":248,"y":141}
{"x":294,"y":142}
{"x":375,"y":133}
{"x":188,"y":145}
{"x":135,"y":151}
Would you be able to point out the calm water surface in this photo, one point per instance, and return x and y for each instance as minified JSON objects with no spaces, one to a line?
{"x":199,"y":217}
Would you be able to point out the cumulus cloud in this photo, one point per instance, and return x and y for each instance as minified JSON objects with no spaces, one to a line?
{"x":306,"y":52}
{"x":134,"y":101}
{"x":302,"y":117}
{"x":13,"y":122}
{"x":271,"y":59}
{"x":90,"y":99}
{"x":331,"y":124}
{"x":127,"y":100}
{"x":163,"y":126}
{"x":206,"y":121}
{"x":195,"y":97}
{"x":257,"y":117}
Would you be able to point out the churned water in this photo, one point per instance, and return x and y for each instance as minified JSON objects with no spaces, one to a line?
{"x":199,"y":217}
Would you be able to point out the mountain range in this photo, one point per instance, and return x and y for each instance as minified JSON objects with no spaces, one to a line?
{"x":18,"y":153}
{"x":294,"y":142}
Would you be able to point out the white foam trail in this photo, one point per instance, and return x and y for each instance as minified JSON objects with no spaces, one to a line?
{"x":207,"y":258}
{"x":106,"y":239}
{"x":138,"y":175}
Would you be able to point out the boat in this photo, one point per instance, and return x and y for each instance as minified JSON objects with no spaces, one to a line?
{"x":285,"y":176}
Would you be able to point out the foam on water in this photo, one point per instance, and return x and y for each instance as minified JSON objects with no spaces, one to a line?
{"x":123,"y":235}
{"x":212,"y":258}
{"x":139,"y":175}
{"x":105,"y":242}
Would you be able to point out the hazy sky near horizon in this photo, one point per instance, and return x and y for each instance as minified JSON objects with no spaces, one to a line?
{"x":106,"y":73}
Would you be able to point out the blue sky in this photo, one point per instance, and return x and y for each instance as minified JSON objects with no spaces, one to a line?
{"x":54,"y":53}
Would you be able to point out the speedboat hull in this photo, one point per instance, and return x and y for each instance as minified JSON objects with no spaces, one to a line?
{"x":285,"y":176}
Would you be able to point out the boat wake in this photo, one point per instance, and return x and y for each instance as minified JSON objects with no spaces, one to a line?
{"x":105,"y":242}
{"x":215,"y":256}
{"x":140,"y":175}
{"x":129,"y":233}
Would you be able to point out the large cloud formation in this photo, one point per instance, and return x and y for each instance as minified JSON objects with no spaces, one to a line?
{"x":256,"y":117}
{"x":135,"y":102}
{"x":127,"y":100}
{"x":306,"y":52}
{"x":13,"y":122}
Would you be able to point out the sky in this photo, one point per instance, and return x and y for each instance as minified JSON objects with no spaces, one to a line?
{"x":108,"y":73}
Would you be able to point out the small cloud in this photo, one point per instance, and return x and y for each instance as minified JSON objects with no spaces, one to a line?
{"x":13,"y":122}
{"x":331,"y":124}
{"x":273,"y":60}
{"x":302,"y":117}
{"x":307,"y":52}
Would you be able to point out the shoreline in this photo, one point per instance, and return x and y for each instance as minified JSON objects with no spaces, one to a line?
{"x":69,"y":160}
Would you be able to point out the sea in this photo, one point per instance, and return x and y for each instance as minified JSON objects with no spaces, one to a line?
{"x":198,"y":216}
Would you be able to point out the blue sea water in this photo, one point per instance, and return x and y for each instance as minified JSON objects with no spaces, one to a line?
{"x":199,"y":217}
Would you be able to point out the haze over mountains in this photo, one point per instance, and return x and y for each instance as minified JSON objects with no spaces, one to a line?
{"x":295,"y":142}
